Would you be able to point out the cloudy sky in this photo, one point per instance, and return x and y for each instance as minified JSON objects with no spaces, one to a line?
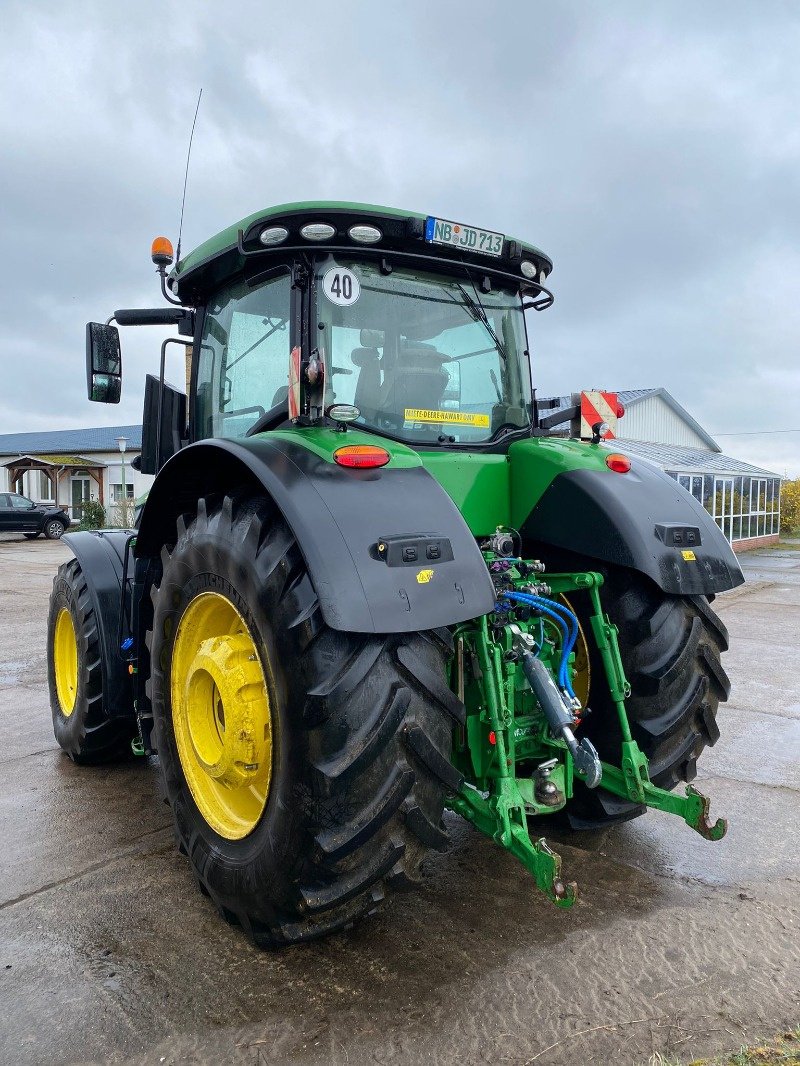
{"x":653,"y":150}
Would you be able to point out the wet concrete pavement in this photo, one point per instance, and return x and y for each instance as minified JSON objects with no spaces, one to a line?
{"x":108,"y":953}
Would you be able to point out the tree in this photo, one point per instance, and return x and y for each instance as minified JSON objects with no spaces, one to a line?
{"x":790,"y":507}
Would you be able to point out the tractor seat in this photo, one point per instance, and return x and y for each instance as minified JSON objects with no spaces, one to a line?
{"x":418,"y":380}
{"x":281,"y":396}
{"x":368,"y":383}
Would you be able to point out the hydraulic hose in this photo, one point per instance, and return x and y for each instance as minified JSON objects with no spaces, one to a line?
{"x":561,"y":615}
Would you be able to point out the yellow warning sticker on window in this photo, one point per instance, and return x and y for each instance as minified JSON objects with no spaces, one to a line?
{"x":689,"y":556}
{"x":458,"y":418}
{"x":424,"y":576}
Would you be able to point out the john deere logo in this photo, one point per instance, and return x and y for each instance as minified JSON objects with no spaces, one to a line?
{"x":424,"y":576}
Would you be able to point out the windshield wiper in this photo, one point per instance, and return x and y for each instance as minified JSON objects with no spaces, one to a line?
{"x":478,"y":312}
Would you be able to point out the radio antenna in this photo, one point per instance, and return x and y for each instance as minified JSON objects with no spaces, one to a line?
{"x":186,"y":178}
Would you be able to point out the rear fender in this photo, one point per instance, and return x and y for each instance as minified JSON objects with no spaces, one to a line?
{"x":101,"y":554}
{"x":642,"y":520}
{"x":338,"y":517}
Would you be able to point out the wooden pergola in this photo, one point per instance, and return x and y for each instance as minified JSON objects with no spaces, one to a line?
{"x":55,"y":468}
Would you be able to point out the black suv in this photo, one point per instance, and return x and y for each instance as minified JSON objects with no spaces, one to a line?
{"x":20,"y":515}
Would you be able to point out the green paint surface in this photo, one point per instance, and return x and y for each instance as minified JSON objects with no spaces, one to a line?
{"x":477,"y":484}
{"x":490,"y":490}
{"x":536,"y":462}
{"x":324,"y":442}
{"x":501,"y":490}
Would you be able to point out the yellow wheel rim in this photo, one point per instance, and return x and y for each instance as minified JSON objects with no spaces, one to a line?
{"x":221,"y":715}
{"x":65,"y":661}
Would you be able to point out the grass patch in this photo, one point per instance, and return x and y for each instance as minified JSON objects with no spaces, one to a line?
{"x":782,"y":1051}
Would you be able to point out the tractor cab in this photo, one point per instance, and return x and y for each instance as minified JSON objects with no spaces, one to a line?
{"x":406,"y":326}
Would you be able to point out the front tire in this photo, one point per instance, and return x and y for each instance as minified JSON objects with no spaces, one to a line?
{"x":359,"y":729}
{"x":81,"y":724}
{"x":671,"y":648}
{"x":54,"y":529}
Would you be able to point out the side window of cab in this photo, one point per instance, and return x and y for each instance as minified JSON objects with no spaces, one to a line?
{"x":243,"y":364}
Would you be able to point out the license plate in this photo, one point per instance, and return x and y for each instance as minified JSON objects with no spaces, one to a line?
{"x":469,"y":238}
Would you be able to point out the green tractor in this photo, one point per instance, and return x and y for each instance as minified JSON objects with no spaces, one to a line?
{"x":373,"y":580}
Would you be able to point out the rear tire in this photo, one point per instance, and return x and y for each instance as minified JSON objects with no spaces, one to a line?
{"x":81,"y":724}
{"x":671,"y":649}
{"x":360,"y":724}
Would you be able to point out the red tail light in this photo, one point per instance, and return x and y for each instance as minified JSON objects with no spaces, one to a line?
{"x":363,"y":456}
{"x":620,"y":464}
{"x":620,"y":410}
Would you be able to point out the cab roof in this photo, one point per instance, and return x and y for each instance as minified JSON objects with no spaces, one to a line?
{"x":225,"y":253}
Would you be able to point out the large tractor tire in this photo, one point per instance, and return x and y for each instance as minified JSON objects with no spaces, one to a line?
{"x":305,"y":768}
{"x":81,"y":723}
{"x":671,"y":649}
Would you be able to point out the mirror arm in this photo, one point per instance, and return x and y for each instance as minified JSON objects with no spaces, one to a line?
{"x":566,"y":414}
{"x":182,"y":317}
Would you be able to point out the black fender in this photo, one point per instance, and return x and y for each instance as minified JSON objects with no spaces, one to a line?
{"x":54,"y":512}
{"x":339,"y":516}
{"x":101,"y":554}
{"x":643,"y":520}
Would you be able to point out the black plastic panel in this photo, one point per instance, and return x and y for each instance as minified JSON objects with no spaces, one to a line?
{"x":623,"y":519}
{"x":339,"y":516}
{"x":101,"y":557}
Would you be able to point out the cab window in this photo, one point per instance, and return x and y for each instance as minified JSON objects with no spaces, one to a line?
{"x":243,"y":364}
{"x":424,"y":357}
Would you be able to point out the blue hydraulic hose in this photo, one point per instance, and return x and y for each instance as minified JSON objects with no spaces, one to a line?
{"x":534,"y":601}
{"x":569,"y":616}
{"x":553,"y":610}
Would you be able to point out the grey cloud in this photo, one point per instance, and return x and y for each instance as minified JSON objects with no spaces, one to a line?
{"x":651,"y":150}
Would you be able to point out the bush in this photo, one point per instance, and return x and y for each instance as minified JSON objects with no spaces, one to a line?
{"x":93,"y":515}
{"x":790,"y":508}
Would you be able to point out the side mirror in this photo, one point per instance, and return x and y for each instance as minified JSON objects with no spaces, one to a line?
{"x":103,"y":363}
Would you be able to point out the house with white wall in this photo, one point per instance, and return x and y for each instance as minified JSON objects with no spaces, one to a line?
{"x":744,"y":500}
{"x":67,"y":467}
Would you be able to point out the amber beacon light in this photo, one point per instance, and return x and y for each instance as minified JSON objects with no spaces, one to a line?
{"x":161,"y":251}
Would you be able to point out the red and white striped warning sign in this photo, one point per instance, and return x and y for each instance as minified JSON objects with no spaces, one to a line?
{"x":294,"y":383}
{"x":599,"y":407}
